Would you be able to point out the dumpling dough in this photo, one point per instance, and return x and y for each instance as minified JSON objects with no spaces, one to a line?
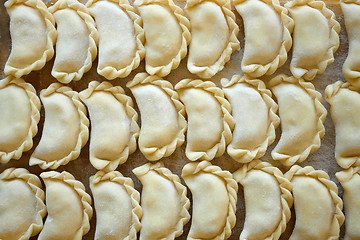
{"x":213,"y":36}
{"x":209,"y":119}
{"x":33,"y":34}
{"x":302,"y":119}
{"x":75,"y":45}
{"x":22,"y":205}
{"x":164,"y":202}
{"x":316,"y":37}
{"x":318,"y":208}
{"x":267,"y":198}
{"x":65,"y":129}
{"x":69,"y":207}
{"x":267,"y":35}
{"x":163,"y":124}
{"x":19,"y":108}
{"x":167,"y":35}
{"x":118,"y":212}
{"x":121,"y":37}
{"x":214,"y":193}
{"x":113,"y":125}
{"x":254,"y":113}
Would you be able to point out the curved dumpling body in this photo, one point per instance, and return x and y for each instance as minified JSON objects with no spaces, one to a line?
{"x":204,"y":101}
{"x":117,"y":206}
{"x":163,"y":124}
{"x":113,"y":125}
{"x":33,"y":35}
{"x":267,"y":35}
{"x":254,"y":113}
{"x":19,"y":107}
{"x":65,"y":129}
{"x":316,"y":37}
{"x":164,"y":202}
{"x":75,"y":45}
{"x":302,"y":116}
{"x":213,"y":36}
{"x":22,"y":205}
{"x":121,"y":37}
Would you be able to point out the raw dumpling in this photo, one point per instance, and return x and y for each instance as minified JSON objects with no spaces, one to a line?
{"x":209,"y":119}
{"x":302,"y":116}
{"x":19,"y":108}
{"x":254,"y":113}
{"x":316,"y":37}
{"x":118,"y":212}
{"x":167,"y":35}
{"x":75,"y":45}
{"x":121,"y":37}
{"x":213,"y":36}
{"x":318,"y":208}
{"x":65,"y":129}
{"x":69,"y":207}
{"x":164,"y":202}
{"x":214,"y":193}
{"x":267,"y":35}
{"x":267,"y":198}
{"x":22,"y":205}
{"x":33,"y":35}
{"x":163,"y":124}
{"x":113,"y":125}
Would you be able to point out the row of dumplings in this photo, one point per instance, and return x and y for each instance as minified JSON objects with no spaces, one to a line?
{"x":268,"y":193}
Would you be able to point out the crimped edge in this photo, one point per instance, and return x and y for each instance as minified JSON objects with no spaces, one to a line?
{"x":285,"y":186}
{"x":321,"y":113}
{"x":257,"y":70}
{"x":35,"y":107}
{"x":155,"y":153}
{"x":334,"y":40}
{"x":231,"y":187}
{"x":84,"y":127}
{"x":324,"y":179}
{"x":245,"y":155}
{"x":79,"y":188}
{"x":228,"y":121}
{"x":84,"y":14}
{"x":184,"y":24}
{"x":347,"y":174}
{"x":119,"y":94}
{"x":35,"y":186}
{"x":51,"y":37}
{"x":162,"y":171}
{"x":110,"y":72}
{"x":233,"y":43}
{"x":128,"y":184}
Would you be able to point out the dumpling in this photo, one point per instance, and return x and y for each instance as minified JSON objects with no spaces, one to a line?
{"x":167,"y":35}
{"x":65,"y":129}
{"x":163,"y":124}
{"x":302,"y":119}
{"x":213,"y":36}
{"x":19,"y":110}
{"x":121,"y":37}
{"x":113,"y":125}
{"x":267,"y":35}
{"x":69,"y":207}
{"x":254,"y":113}
{"x":118,"y":212}
{"x":22,"y":205}
{"x":164,"y":202}
{"x":318,"y":208}
{"x":214,"y":193}
{"x":316,"y":37}
{"x":75,"y":45}
{"x":33,"y":35}
{"x":209,"y":120}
